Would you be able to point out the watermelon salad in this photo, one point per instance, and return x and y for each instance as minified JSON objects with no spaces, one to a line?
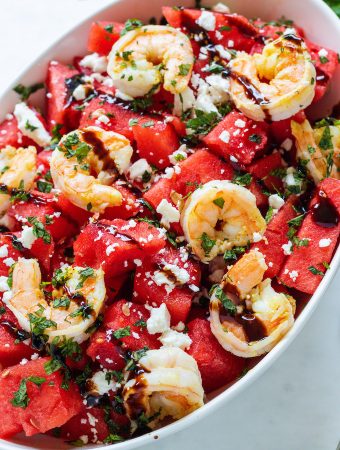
{"x":164,"y":218}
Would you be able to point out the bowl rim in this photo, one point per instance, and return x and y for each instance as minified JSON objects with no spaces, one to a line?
{"x":265,"y":363}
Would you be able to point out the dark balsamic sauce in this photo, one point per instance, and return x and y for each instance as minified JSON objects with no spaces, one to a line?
{"x":17,"y":333}
{"x":95,"y":401}
{"x":99,"y":148}
{"x":253,"y":327}
{"x":135,"y":401}
{"x":251,"y":91}
{"x":293,"y":37}
{"x":324,"y":213}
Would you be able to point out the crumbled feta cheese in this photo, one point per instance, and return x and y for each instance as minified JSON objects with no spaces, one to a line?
{"x":100,"y":384}
{"x":213,"y":91}
{"x":182,"y":276}
{"x":223,"y":52}
{"x":323,"y":53}
{"x":240,"y":123}
{"x":9,"y":262}
{"x":27,"y":237}
{"x":207,"y":20}
{"x":287,"y":248}
{"x":84,"y":438}
{"x":224,"y":136}
{"x":169,"y":213}
{"x":231,"y":43}
{"x":3,"y":251}
{"x":161,"y":279}
{"x":173,"y":338}
{"x":218,"y":35}
{"x":138,"y":262}
{"x":179,"y":327}
{"x":194,"y":288}
{"x":159,"y":320}
{"x":325,"y":242}
{"x":289,"y":179}
{"x":3,"y":284}
{"x":287,"y":144}
{"x":293,"y":275}
{"x":80,"y":92}
{"x":221,"y":7}
{"x":95,"y":62}
{"x":257,"y":237}
{"x":103,"y":119}
{"x":138,"y":168}
{"x":30,"y":125}
{"x":179,"y":155}
{"x":275,"y":201}
{"x":183,"y":102}
{"x":111,"y":248}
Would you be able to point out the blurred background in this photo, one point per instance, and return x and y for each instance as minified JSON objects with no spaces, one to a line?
{"x":295,"y":405}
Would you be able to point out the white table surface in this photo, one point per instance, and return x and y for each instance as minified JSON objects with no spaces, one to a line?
{"x":296,"y":404}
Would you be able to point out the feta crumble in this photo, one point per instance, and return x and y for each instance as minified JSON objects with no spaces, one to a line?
{"x":95,"y":62}
{"x":224,"y":136}
{"x":27,"y":237}
{"x":173,"y":338}
{"x":326,"y":242}
{"x":169,"y":213}
{"x":159,"y":320}
{"x":287,"y":248}
{"x":30,"y":125}
{"x":207,"y":21}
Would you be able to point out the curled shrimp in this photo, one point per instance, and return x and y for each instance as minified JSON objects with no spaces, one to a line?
{"x":148,"y":56}
{"x":83,"y":152}
{"x":63,"y":315}
{"x":171,"y":386}
{"x":18,"y":169}
{"x":218,"y":216}
{"x":272,"y":311}
{"x":275,"y":84}
{"x":321,"y":162}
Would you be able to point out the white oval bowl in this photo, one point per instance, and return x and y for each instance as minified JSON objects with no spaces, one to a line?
{"x":321,"y":26}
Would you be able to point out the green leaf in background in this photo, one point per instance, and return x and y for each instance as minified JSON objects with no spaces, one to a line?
{"x":335,"y":5}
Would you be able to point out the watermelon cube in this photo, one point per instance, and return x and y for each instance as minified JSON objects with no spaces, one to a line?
{"x":304,"y":268}
{"x":49,"y":405}
{"x":238,"y":136}
{"x":217,"y":366}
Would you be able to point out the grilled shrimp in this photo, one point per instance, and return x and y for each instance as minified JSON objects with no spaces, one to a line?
{"x":90,"y":150}
{"x":277,"y":83}
{"x":272,"y":311}
{"x":148,"y":56}
{"x":70,"y":311}
{"x":321,"y":162}
{"x":18,"y":169}
{"x":246,"y":273}
{"x":218,"y":216}
{"x":171,"y":386}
